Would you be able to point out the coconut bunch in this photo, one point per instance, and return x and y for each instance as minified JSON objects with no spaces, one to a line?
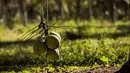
{"x":48,"y":45}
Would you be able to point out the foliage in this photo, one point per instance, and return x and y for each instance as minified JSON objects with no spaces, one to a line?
{"x":85,"y":52}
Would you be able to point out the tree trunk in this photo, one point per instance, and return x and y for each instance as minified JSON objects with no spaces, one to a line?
{"x":1,"y":9}
{"x":23,"y":12}
{"x":129,"y":16}
{"x":8,"y":17}
{"x":90,"y":9}
{"x":129,"y":10}
{"x":113,"y":10}
{"x":77,"y":9}
{"x":61,"y":10}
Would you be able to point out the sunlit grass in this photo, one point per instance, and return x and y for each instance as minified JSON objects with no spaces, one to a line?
{"x":86,"y":52}
{"x":80,"y":26}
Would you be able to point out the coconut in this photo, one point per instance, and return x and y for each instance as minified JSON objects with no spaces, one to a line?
{"x":52,"y":41}
{"x":39,"y":47}
{"x":57,"y":34}
{"x":53,"y":54}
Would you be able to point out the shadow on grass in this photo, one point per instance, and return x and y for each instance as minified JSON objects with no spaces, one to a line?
{"x":125,"y":31}
{"x":73,"y":36}
{"x":21,"y":68}
{"x":12,"y":68}
{"x":23,"y":43}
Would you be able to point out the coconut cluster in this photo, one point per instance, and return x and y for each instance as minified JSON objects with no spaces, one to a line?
{"x":48,"y":45}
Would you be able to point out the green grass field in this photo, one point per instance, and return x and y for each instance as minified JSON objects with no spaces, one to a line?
{"x":85,"y":45}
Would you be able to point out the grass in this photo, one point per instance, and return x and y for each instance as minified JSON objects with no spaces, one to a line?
{"x":47,"y":69}
{"x":96,"y":47}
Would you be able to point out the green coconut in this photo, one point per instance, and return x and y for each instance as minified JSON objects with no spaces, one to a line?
{"x":39,"y":47}
{"x":52,"y":41}
{"x":53,"y":54}
{"x":57,"y":34}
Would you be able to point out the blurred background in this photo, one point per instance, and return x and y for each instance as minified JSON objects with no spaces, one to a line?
{"x":15,"y":14}
{"x":27,"y":11}
{"x":98,"y":31}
